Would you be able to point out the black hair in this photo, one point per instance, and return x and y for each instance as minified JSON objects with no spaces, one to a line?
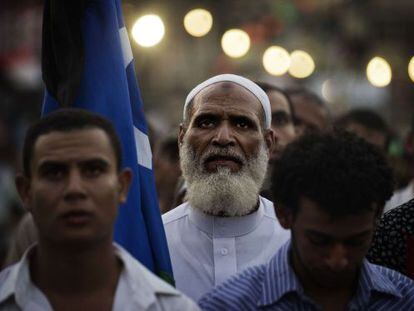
{"x":367,"y":118}
{"x":309,"y":95}
{"x":168,"y":149}
{"x":267,"y":88}
{"x":337,"y":170}
{"x":66,"y":120}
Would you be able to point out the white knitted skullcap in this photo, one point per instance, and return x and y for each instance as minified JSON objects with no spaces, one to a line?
{"x":246,"y":83}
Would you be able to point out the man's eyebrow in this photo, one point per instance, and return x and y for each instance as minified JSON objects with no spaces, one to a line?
{"x":317,"y":233}
{"x":205,"y":115}
{"x":280,"y":112}
{"x":325,"y":235}
{"x":244,"y":118}
{"x":97,"y":160}
{"x":359,"y":235}
{"x":47,"y":163}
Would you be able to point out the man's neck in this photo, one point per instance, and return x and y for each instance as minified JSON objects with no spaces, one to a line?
{"x":63,"y":274}
{"x":225,"y":214}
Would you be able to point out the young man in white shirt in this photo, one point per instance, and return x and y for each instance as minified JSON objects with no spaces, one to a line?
{"x":73,"y":184}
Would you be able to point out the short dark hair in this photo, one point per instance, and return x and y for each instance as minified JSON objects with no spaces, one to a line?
{"x":365,"y":117}
{"x":267,"y":88}
{"x":168,"y":149}
{"x":309,"y":95}
{"x":337,"y":170}
{"x":66,"y":120}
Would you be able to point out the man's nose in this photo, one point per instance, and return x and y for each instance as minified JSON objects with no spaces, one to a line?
{"x":224,"y":135}
{"x":75,"y":185}
{"x":337,"y":258}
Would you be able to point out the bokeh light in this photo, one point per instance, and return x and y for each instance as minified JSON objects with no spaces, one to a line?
{"x":379,"y":72}
{"x":198,"y":22}
{"x":411,"y":69}
{"x":235,"y":43}
{"x":276,"y":60}
{"x":148,"y":30}
{"x":327,"y":90}
{"x":301,"y":64}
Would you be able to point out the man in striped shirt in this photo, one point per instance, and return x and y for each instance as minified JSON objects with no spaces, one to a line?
{"x":331,"y":189}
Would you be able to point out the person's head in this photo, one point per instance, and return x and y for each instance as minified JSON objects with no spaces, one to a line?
{"x":366,"y":124}
{"x":310,"y":112}
{"x":330,"y":189}
{"x":282,"y":117}
{"x":167,"y":171}
{"x":72,"y":179}
{"x":225,"y":142}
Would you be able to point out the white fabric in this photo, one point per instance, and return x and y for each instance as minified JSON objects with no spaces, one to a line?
{"x":126,"y":46}
{"x":143,"y":149}
{"x":206,"y":250}
{"x":400,"y":197}
{"x":246,"y":83}
{"x":138,"y":289}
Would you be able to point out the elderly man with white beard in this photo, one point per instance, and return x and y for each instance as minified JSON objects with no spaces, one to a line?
{"x":225,"y":226}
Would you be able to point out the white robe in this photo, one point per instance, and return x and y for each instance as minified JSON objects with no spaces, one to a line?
{"x":206,"y":250}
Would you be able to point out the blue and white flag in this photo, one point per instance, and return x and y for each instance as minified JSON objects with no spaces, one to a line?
{"x":87,"y":63}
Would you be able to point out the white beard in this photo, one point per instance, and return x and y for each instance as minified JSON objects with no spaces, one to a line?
{"x":223,"y":193}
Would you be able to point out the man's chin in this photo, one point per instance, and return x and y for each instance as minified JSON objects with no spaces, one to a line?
{"x":333,"y":280}
{"x":217,"y":166}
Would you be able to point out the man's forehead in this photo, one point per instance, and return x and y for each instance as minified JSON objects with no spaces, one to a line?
{"x":312,"y":216}
{"x":227,"y":95}
{"x":63,"y":144}
{"x":278,"y":101}
{"x":225,"y":89}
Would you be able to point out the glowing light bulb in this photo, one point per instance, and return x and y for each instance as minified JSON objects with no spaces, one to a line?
{"x":198,"y":22}
{"x":276,"y":60}
{"x":379,"y":72}
{"x":235,"y":43}
{"x":301,"y":64}
{"x":148,"y":30}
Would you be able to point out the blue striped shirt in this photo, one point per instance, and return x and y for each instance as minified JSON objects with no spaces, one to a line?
{"x":274,"y":286}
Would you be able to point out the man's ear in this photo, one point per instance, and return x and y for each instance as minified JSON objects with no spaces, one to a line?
{"x":181,"y":134}
{"x":124,"y":179}
{"x":23,"y":188}
{"x":270,"y":139}
{"x":284,"y":216}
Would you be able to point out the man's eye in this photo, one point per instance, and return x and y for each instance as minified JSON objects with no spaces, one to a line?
{"x":242,"y":124}
{"x":358,"y":242}
{"x":206,"y":123}
{"x":319,"y":241}
{"x":53,"y":173}
{"x":93,"y":171}
{"x":280,"y":120}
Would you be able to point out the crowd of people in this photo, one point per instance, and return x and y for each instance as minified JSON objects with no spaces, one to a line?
{"x":268,"y":203}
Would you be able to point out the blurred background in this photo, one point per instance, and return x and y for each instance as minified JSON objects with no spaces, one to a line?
{"x":352,"y":53}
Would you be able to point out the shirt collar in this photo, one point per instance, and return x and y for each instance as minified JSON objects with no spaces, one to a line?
{"x":137,"y":286}
{"x":372,"y":280}
{"x":280,"y":279}
{"x":19,"y":284}
{"x":225,"y":227}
